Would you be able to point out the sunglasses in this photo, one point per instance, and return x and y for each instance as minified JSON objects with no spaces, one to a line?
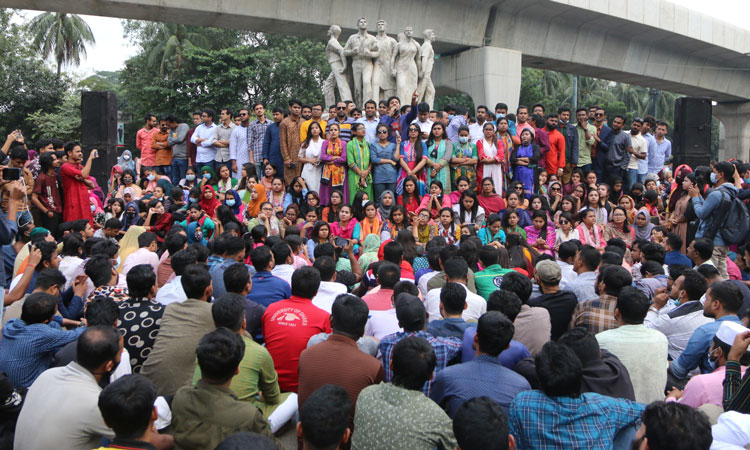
{"x":564,"y":222}
{"x":382,"y":131}
{"x":518,"y":188}
{"x":341,"y":107}
{"x":554,"y":189}
{"x":415,"y":130}
{"x":598,"y":114}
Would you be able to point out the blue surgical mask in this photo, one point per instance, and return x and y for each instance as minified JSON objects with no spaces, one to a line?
{"x":207,"y":176}
{"x":117,"y":266}
{"x":747,"y":180}
{"x":463,"y":139}
{"x":190,"y":177}
{"x":450,"y":117}
{"x":713,"y":177}
{"x":193,"y":200}
{"x":93,"y":208}
{"x":500,"y":115}
{"x":150,"y":177}
{"x":230,"y":202}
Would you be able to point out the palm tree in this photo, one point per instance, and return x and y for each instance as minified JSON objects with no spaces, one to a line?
{"x":172,"y":42}
{"x":62,"y":35}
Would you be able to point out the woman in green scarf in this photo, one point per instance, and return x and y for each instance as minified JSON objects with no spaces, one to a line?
{"x":439,"y":153}
{"x":369,"y":251}
{"x":208,"y":176}
{"x":358,"y":159}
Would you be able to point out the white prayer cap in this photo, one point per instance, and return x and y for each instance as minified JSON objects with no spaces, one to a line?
{"x":728,"y":331}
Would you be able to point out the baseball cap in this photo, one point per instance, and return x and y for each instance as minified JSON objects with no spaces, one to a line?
{"x":549,"y":272}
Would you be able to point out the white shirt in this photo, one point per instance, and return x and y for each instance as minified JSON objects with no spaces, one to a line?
{"x":205,"y":150}
{"x":423,"y":280}
{"x":731,"y":432}
{"x":476,"y":132}
{"x":568,"y":274}
{"x":424,"y":127}
{"x":171,"y":292}
{"x":382,"y":323}
{"x":640,"y":147}
{"x":327,"y":293}
{"x":475,"y":305}
{"x":284,"y":271}
{"x":677,"y":324}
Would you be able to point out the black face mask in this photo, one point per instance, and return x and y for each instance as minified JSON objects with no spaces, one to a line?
{"x":130,"y":214}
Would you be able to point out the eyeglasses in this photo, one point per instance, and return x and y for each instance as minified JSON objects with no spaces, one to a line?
{"x":244,"y":114}
{"x":599,"y":114}
{"x":267,"y":209}
{"x":382,"y":131}
{"x":341,"y":107}
{"x":518,"y":188}
{"x":414,"y":130}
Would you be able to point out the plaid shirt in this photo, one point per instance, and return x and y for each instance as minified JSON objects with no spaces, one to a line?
{"x":596,"y":315}
{"x":255,"y":135}
{"x":591,"y":421}
{"x":445,"y":350}
{"x":213,"y":261}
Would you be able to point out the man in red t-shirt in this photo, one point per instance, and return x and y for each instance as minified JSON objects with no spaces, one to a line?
{"x":289,"y":324}
{"x":143,"y":141}
{"x":555,"y":157}
{"x":75,"y":183}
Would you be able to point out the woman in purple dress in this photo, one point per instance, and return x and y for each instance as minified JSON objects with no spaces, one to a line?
{"x":524,"y":159}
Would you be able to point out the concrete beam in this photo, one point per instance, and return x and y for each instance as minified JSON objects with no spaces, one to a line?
{"x":488,"y":74}
{"x":736,"y":120}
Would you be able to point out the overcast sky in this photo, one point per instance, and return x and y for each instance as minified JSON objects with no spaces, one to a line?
{"x":112,"y":49}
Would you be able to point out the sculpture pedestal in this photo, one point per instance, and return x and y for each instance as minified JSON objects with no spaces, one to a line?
{"x":488,"y":74}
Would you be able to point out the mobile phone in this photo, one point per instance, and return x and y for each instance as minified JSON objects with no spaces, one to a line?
{"x":11,"y":173}
{"x":341,"y":242}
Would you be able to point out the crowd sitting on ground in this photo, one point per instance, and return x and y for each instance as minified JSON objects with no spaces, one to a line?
{"x":388,"y":278}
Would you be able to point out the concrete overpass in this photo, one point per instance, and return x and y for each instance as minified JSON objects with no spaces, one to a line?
{"x":483,"y":44}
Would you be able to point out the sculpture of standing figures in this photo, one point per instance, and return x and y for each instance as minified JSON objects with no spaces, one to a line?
{"x":363,"y":48}
{"x":337,"y":60}
{"x":404,"y":63}
{"x":426,"y":89}
{"x":383,"y":82}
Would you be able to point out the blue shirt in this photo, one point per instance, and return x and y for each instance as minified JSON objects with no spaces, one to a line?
{"x":268,"y":288}
{"x":217,"y":276}
{"x":483,"y":377}
{"x":706,"y":211}
{"x":445,"y":350}
{"x":660,"y":155}
{"x":643,"y":163}
{"x":508,"y":357}
{"x":383,"y":173}
{"x":675,"y":257}
{"x":696,"y":351}
{"x":589,"y":421}
{"x":272,"y":146}
{"x":213,"y":261}
{"x":8,"y":230}
{"x":27,"y":350}
{"x":448,"y":327}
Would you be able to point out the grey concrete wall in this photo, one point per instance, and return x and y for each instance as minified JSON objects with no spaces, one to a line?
{"x":736,"y":140}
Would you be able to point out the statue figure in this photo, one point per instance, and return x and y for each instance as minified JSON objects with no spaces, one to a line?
{"x":404,"y":63}
{"x":426,"y":89}
{"x":383,"y":82}
{"x":337,"y":60}
{"x":363,"y":48}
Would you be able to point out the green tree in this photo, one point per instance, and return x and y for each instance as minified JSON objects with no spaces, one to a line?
{"x":63,"y":123}
{"x":63,"y":36}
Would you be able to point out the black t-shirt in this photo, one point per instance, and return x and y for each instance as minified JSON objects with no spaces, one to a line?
{"x":560,"y":306}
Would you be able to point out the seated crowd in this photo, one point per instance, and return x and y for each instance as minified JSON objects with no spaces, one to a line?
{"x":376,"y":292}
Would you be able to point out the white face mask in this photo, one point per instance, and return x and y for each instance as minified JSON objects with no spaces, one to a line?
{"x":463,"y":139}
{"x":126,"y":157}
{"x":150,"y":177}
{"x":364,"y":202}
{"x":190,"y":177}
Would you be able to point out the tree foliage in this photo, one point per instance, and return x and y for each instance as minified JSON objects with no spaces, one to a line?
{"x":64,"y":122}
{"x":28,"y":85}
{"x":63,"y":36}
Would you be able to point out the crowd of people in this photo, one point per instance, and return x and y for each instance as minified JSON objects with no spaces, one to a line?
{"x":391,"y":277}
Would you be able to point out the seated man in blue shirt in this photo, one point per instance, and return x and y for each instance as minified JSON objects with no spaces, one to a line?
{"x":723,"y":301}
{"x":674,"y":255}
{"x":508,"y":303}
{"x":267,"y":288}
{"x":29,"y":343}
{"x":452,"y":305}
{"x":484,"y":376}
{"x":559,"y":415}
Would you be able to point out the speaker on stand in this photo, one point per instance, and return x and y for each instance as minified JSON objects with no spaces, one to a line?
{"x":99,"y":131}
{"x":692,"y":131}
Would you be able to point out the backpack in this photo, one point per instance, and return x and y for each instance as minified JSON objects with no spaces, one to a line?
{"x":734,"y":218}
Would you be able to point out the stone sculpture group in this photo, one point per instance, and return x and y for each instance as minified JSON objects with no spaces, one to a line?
{"x":378,"y":67}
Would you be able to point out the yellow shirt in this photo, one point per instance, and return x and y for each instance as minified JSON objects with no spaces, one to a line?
{"x":306,"y":125}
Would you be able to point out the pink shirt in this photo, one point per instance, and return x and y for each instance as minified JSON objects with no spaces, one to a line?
{"x":141,"y":256}
{"x":706,"y":388}
{"x":379,"y":300}
{"x":733,"y":271}
{"x":143,"y":142}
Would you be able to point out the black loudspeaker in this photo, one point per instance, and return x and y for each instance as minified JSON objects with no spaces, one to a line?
{"x":99,"y":131}
{"x":692,"y":131}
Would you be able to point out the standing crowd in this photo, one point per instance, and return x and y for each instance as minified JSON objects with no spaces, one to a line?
{"x":392,"y":277}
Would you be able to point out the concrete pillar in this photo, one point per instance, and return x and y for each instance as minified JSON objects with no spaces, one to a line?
{"x":488,"y":74}
{"x":736,"y":120}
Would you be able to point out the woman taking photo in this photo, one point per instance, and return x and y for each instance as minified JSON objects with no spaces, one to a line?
{"x":491,"y":156}
{"x":333,"y":157}
{"x":358,"y":159}
{"x":524,"y":160}
{"x":384,"y":158}
{"x":309,"y":155}
{"x":439,"y":151}
{"x":413,"y":157}
{"x":489,"y":200}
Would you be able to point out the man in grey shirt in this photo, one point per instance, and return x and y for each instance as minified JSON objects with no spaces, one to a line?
{"x":620,"y":150}
{"x":178,"y":141}
{"x":223,"y":135}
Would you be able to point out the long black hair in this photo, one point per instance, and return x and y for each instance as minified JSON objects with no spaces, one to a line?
{"x":543,"y":215}
{"x":474,"y":209}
